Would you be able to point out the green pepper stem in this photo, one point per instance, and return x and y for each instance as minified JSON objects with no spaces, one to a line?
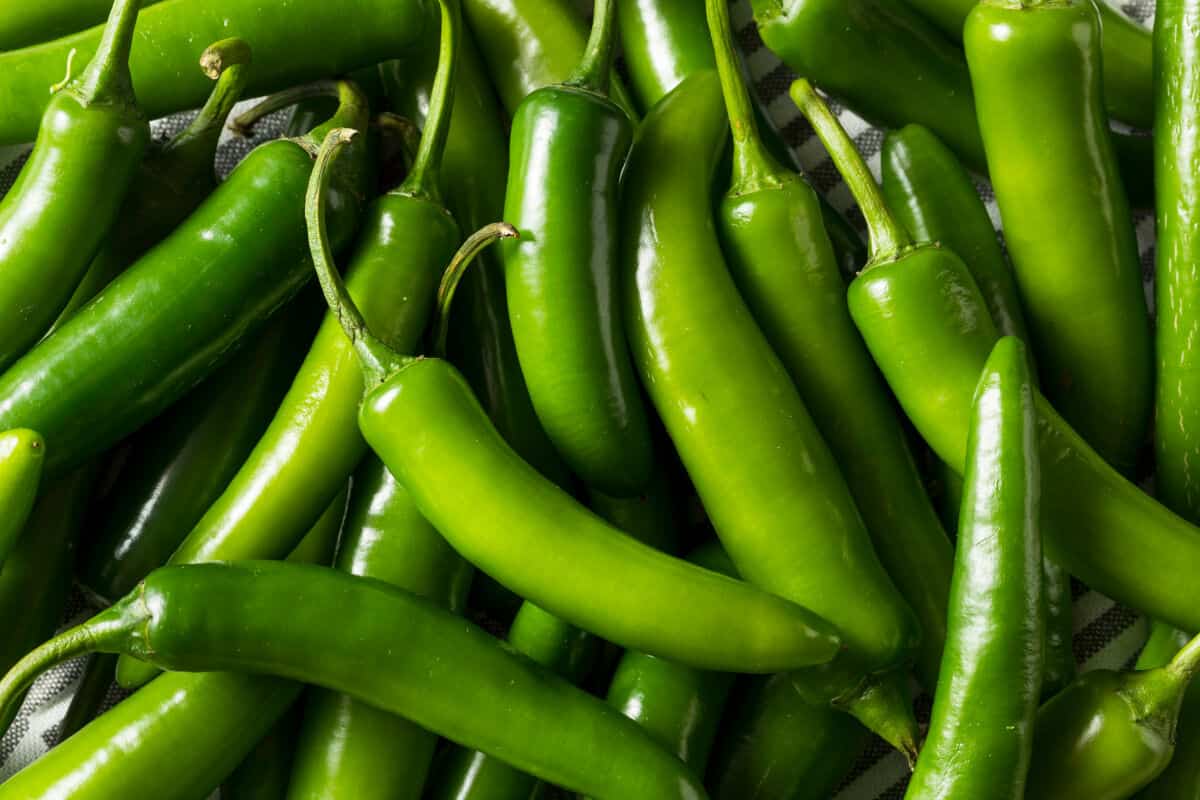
{"x":107,"y":76}
{"x":887,"y":237}
{"x":379,"y":362}
{"x":227,"y":62}
{"x":472,"y":247}
{"x":424,"y":179}
{"x":595,"y":68}
{"x":1185,"y":663}
{"x":105,"y":632}
{"x":753,"y":165}
{"x":244,"y":122}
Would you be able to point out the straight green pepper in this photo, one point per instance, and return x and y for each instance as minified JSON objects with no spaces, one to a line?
{"x":25,"y":24}
{"x":173,"y":317}
{"x":781,"y":260}
{"x":214,"y":718}
{"x":1076,"y":259}
{"x":981,"y":731}
{"x":21,"y":455}
{"x":90,"y":141}
{"x":569,"y":143}
{"x":766,"y":477}
{"x":445,"y":673}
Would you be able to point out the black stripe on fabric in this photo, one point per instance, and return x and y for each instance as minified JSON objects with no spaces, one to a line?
{"x":1100,"y":632}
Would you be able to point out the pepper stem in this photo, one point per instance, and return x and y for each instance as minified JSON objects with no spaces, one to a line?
{"x":1186,"y":662}
{"x":227,"y":62}
{"x":424,"y":178}
{"x":104,"y":632}
{"x":244,"y":122}
{"x":379,"y":362}
{"x":887,"y":237}
{"x":595,"y":68}
{"x":753,"y":165}
{"x":473,"y":246}
{"x":107,"y":76}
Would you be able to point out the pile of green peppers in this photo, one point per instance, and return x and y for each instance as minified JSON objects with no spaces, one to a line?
{"x":618,"y":463}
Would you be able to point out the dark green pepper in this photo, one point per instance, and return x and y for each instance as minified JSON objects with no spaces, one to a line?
{"x":1075,"y":259}
{"x":981,"y":731}
{"x":569,"y":142}
{"x":90,"y":141}
{"x":781,"y":260}
{"x":21,"y":455}
{"x":264,"y":772}
{"x":766,"y":477}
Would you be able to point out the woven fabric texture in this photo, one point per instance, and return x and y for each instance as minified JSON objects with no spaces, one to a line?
{"x":1107,"y":635}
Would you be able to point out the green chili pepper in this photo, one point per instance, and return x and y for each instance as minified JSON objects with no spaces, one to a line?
{"x":1109,"y":734}
{"x":664,"y":41}
{"x":172,"y":181}
{"x":891,"y":65}
{"x":933,"y":197}
{"x":347,"y":748}
{"x":1127,"y":55}
{"x":777,"y":746}
{"x":1075,"y":259}
{"x":666,"y":606}
{"x":781,"y":261}
{"x":30,"y":23}
{"x":528,"y":44}
{"x":201,"y":725}
{"x":178,"y":464}
{"x":1181,"y":779}
{"x":264,"y":772}
{"x":474,"y":173}
{"x":569,"y":142}
{"x":981,"y":732}
{"x":89,"y":144}
{"x":170,"y":320}
{"x":21,"y":455}
{"x":314,"y":40}
{"x":766,"y":477}
{"x":446,"y":672}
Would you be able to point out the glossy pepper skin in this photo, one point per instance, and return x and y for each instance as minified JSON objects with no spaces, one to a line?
{"x":1075,"y":259}
{"x":929,"y":330}
{"x":892,"y":66}
{"x":663,"y":42}
{"x":171,"y":319}
{"x":569,"y":143}
{"x":179,"y":463}
{"x":776,"y":249}
{"x":981,"y":731}
{"x":21,"y":455}
{"x":348,"y":749}
{"x":454,"y":438}
{"x":172,"y":180}
{"x":777,"y":746}
{"x":528,"y":44}
{"x":1127,"y":55}
{"x":216,"y":718}
{"x":445,"y":674}
{"x":767,"y":479}
{"x":474,"y":174}
{"x":90,"y":140}
{"x":30,"y":23}
{"x":1181,"y":779}
{"x":314,"y":40}
{"x":264,"y":772}
{"x":933,"y":197}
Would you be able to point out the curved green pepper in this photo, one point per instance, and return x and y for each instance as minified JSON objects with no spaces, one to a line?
{"x":663,"y":42}
{"x":174,"y":316}
{"x":1181,"y":779}
{"x":21,"y":455}
{"x":313,"y":41}
{"x":569,"y":142}
{"x":1126,"y":47}
{"x":347,"y":748}
{"x":445,"y":674}
{"x":1076,"y":259}
{"x":215,"y":718}
{"x":90,"y":141}
{"x":981,"y":732}
{"x":934,"y":198}
{"x":777,"y":746}
{"x":766,"y":477}
{"x":172,"y":181}
{"x":782,"y":263}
